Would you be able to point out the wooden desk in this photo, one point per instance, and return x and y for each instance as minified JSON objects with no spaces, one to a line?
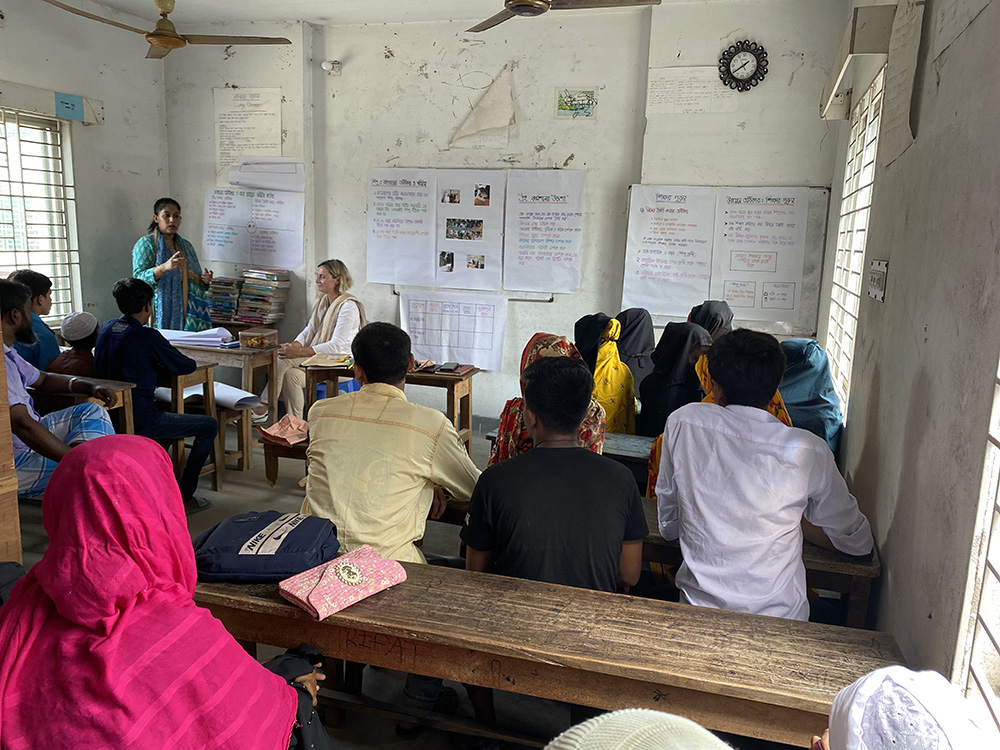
{"x":203,"y":375}
{"x":751,"y":675}
{"x":248,"y":360}
{"x":46,"y":402}
{"x":458,"y":387}
{"x":850,"y":576}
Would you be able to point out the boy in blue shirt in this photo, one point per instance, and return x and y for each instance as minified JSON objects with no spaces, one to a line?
{"x":46,"y":347}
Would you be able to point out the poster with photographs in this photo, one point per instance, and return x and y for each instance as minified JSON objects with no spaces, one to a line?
{"x":470,"y":229}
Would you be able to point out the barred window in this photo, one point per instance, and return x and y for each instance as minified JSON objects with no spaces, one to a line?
{"x":37,"y":205}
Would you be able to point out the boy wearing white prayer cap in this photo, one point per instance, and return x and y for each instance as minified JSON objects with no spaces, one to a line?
{"x":79,"y":330}
{"x":637,"y":729}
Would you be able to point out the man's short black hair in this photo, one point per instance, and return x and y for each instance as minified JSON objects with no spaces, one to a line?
{"x":132,"y":295}
{"x":383,"y":351}
{"x":38,"y":283}
{"x":13,"y":296}
{"x":748,"y":365}
{"x":558,"y":390}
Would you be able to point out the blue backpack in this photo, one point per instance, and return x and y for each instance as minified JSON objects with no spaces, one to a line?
{"x":264,"y":546}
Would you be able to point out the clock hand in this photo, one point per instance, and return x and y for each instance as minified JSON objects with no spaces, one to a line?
{"x":742,"y":66}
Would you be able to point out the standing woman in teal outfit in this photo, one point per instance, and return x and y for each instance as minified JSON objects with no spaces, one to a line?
{"x":168,"y":263}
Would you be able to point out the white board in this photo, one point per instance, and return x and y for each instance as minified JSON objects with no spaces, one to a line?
{"x":470,"y":229}
{"x":258,"y":227}
{"x":544,"y":230}
{"x":463,"y":327}
{"x":401,"y":212}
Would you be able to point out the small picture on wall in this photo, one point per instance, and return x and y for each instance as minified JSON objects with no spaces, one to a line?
{"x":446,"y":262}
{"x":482,"y":195}
{"x":451,"y":196}
{"x":576,"y":103}
{"x":463,"y":229}
{"x":476,"y":262}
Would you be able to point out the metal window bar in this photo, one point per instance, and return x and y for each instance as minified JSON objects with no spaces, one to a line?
{"x":849,"y":262}
{"x":38,"y":206}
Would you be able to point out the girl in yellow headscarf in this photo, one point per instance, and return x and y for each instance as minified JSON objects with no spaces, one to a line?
{"x":597,"y":341}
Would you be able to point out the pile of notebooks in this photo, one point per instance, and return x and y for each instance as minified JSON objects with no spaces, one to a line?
{"x":223,"y":298}
{"x":263,"y":296}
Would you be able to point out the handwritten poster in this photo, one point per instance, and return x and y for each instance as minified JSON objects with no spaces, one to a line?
{"x":688,"y":91}
{"x":544,"y":230}
{"x":895,"y":135}
{"x":469,"y":229}
{"x":759,"y":250}
{"x":670,"y":235}
{"x":401,"y":226}
{"x":258,"y":227}
{"x":467,"y":328}
{"x":247,"y":121}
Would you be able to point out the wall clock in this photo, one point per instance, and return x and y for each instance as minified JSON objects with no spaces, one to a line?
{"x":743,"y":65}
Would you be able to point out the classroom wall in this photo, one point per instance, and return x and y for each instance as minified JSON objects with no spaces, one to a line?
{"x":926,"y":359}
{"x":120,"y":166}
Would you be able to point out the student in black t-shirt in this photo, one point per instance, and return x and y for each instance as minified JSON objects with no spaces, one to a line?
{"x":558,"y":513}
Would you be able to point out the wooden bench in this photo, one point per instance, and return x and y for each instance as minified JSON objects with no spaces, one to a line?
{"x":849,"y":576}
{"x":746,"y":674}
{"x":46,"y":402}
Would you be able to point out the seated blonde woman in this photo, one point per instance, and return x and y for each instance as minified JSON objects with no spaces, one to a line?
{"x":335,"y":320}
{"x":512,"y":435}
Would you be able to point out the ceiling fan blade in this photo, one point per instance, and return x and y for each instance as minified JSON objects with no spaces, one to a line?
{"x":156,"y":53}
{"x":85,"y":14}
{"x":581,"y":4}
{"x":213,"y":39}
{"x":489,"y":23}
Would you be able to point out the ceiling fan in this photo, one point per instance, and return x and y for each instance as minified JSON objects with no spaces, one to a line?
{"x":537,"y":7}
{"x":164,"y":36}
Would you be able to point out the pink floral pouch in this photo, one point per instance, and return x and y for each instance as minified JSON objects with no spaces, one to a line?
{"x":338,"y":584}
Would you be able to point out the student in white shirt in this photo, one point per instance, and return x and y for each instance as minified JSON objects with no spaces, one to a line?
{"x":739,"y":489}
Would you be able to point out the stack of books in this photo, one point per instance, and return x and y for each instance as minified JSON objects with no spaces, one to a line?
{"x":263,"y":296}
{"x":223,"y":298}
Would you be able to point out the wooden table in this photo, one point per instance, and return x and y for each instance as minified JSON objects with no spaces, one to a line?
{"x":248,"y":360}
{"x":203,"y":375}
{"x":746,"y":674}
{"x":458,"y":387}
{"x":46,"y":401}
{"x":849,"y":576}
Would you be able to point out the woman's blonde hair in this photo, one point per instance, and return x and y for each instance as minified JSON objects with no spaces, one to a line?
{"x":338,"y":270}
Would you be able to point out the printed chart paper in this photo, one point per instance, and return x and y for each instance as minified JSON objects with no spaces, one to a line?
{"x":544,"y":230}
{"x":455,"y":327}
{"x":759,"y":250}
{"x":258,"y":227}
{"x":470,"y":229}
{"x":670,"y":235}
{"x":247,"y":122}
{"x":688,"y":91}
{"x":401,"y":229}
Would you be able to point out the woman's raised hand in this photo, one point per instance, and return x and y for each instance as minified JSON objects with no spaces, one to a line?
{"x":206,"y":277}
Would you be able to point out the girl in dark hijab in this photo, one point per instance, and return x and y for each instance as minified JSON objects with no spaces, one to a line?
{"x":714,"y":316}
{"x":636,"y":343}
{"x":588,"y":333}
{"x":673,"y":382}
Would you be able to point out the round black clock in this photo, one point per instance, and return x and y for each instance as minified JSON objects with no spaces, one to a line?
{"x":743,"y":65}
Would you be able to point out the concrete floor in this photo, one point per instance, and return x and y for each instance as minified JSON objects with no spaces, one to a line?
{"x":245,"y":491}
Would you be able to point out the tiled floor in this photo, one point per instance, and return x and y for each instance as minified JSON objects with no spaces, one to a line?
{"x":244,"y":491}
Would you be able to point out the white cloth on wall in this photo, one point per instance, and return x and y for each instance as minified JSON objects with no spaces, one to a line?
{"x":734,"y":485}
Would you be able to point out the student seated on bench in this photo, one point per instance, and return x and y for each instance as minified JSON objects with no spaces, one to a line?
{"x":41,"y":442}
{"x":128,"y":349}
{"x":45,"y":347}
{"x":739,"y":488}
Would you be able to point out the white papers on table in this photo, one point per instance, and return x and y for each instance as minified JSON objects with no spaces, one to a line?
{"x":470,"y":229}
{"x":269,"y":173}
{"x":401,"y":226}
{"x":467,"y":328}
{"x":544,"y":230}
{"x":225,"y":396}
{"x":256,"y":227}
{"x":211,"y":337}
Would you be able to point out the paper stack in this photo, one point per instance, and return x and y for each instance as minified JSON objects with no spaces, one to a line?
{"x":263,"y":296}
{"x":223,"y":298}
{"x":211,"y":337}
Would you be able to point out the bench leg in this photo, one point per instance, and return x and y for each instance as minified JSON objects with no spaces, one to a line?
{"x":857,"y":602}
{"x":270,"y":466}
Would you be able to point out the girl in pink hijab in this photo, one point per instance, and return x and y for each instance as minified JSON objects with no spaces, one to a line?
{"x":101,"y":644}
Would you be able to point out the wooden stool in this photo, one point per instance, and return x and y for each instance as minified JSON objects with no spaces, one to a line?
{"x":243,"y":455}
{"x":274,"y":451}
{"x":203,"y":375}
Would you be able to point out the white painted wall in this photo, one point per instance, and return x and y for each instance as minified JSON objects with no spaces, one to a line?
{"x":120,"y":166}
{"x":926,"y":359}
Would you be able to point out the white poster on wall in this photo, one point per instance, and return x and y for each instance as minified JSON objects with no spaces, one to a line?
{"x":759,"y":249}
{"x":247,"y":122}
{"x":258,"y":227}
{"x":670,"y":236}
{"x":688,"y":91}
{"x":470,"y":229}
{"x":544,"y":230}
{"x":401,"y":230}
{"x":467,"y":328}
